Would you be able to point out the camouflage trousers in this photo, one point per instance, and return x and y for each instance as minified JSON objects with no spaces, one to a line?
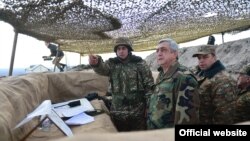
{"x":129,"y":123}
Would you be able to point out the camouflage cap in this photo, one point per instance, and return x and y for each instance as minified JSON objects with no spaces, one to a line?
{"x":124,"y":42}
{"x":205,"y":49}
{"x":245,"y":70}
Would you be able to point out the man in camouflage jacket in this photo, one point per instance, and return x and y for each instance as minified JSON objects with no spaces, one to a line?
{"x":243,"y":99}
{"x":130,"y":81}
{"x":175,"y":99}
{"x":216,"y":88}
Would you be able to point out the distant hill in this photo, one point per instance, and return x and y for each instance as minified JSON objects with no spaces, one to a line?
{"x":16,"y":72}
{"x":233,"y":55}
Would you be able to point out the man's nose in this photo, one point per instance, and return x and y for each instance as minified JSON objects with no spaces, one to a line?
{"x":201,"y":60}
{"x":158,"y":53}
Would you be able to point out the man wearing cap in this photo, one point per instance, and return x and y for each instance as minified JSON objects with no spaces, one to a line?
{"x":243,"y":99}
{"x":216,"y":88}
{"x":175,"y":99}
{"x":130,"y":81}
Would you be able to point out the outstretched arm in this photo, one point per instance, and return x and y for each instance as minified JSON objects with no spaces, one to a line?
{"x":100,"y":67}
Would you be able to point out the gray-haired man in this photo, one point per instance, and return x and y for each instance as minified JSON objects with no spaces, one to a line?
{"x":175,"y":99}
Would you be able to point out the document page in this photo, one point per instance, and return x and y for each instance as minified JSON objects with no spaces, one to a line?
{"x":80,"y":119}
{"x":64,"y":110}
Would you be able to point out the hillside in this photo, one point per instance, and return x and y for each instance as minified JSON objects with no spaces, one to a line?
{"x":232,"y":54}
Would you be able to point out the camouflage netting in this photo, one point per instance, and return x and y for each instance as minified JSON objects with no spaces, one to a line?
{"x":85,"y":26}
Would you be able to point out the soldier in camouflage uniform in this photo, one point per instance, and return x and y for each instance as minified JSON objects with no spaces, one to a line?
{"x":130,"y":81}
{"x":175,"y":99}
{"x":243,"y":99}
{"x":216,"y":88}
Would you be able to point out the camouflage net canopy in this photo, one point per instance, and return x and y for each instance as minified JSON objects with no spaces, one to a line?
{"x":85,"y":26}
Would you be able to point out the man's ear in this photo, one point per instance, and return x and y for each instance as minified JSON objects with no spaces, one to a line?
{"x":248,"y":79}
{"x":176,"y":54}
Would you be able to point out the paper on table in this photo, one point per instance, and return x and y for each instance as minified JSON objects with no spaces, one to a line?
{"x":43,"y":109}
{"x":80,"y":119}
{"x":66,"y":111}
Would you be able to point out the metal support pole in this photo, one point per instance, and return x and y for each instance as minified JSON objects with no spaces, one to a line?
{"x":13,"y":53}
{"x":222,"y":33}
{"x":80,"y":58}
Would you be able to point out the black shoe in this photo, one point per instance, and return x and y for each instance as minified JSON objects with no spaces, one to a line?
{"x":61,"y":70}
{"x":63,"y":66}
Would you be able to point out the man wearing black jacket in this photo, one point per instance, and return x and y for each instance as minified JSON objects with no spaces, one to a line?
{"x":58,"y":54}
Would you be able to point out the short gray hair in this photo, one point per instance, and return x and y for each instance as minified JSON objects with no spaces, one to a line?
{"x":172,"y":44}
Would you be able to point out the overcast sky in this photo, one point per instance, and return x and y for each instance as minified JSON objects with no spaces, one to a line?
{"x":29,"y":51}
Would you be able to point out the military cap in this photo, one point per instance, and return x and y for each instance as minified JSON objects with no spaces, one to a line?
{"x":205,"y":49}
{"x":123,"y":41}
{"x":245,"y":70}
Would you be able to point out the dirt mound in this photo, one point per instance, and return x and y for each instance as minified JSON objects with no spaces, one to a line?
{"x":233,"y":55}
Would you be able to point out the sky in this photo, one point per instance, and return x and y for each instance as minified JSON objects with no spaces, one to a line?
{"x":29,"y":51}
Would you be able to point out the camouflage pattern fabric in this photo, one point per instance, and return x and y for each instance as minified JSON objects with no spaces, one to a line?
{"x":205,"y":49}
{"x":245,"y":70}
{"x":130,"y":83}
{"x":243,"y":106}
{"x":217,"y":94}
{"x":175,"y":99}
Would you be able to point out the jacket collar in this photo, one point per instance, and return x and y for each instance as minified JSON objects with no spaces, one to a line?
{"x":131,"y":58}
{"x":214,"y":69}
{"x":172,"y":69}
{"x":243,"y":91}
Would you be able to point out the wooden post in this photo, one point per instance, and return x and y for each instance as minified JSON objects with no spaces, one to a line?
{"x":13,"y":53}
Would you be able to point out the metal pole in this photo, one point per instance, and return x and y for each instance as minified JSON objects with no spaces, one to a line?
{"x":66,"y":61}
{"x":13,"y":53}
{"x":80,"y":58}
{"x":222,"y":33}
